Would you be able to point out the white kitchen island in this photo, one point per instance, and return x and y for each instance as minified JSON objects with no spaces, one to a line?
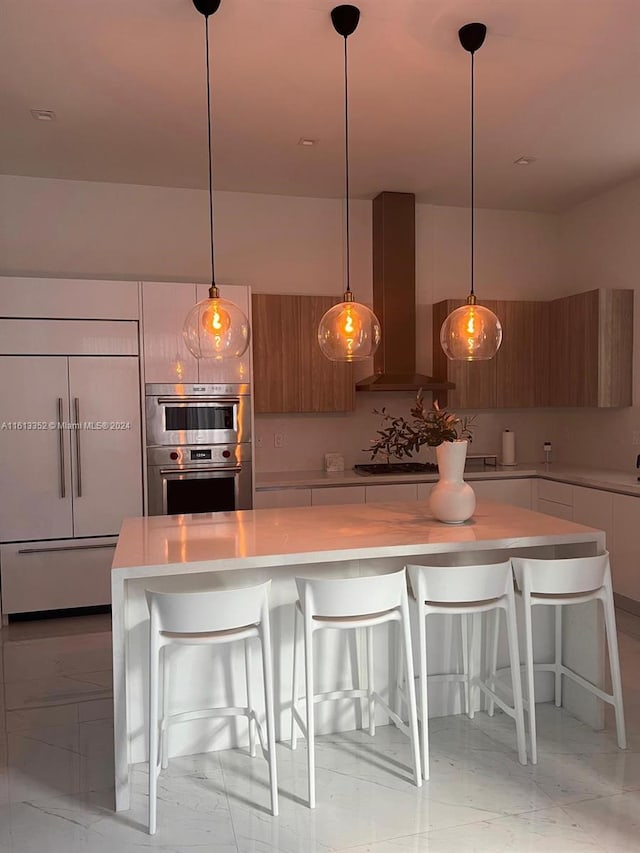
{"x":223,"y":550}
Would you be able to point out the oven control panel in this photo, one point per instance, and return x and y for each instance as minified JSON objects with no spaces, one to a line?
{"x":199,"y":454}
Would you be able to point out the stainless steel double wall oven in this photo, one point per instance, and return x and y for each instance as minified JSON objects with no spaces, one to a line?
{"x":198,"y":448}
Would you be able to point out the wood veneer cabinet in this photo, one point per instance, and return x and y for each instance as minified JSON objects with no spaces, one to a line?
{"x":591,"y":349}
{"x":290,"y":372}
{"x":574,"y":351}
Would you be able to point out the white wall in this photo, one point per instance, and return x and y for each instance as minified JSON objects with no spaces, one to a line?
{"x":600,"y":247}
{"x":283,"y":244}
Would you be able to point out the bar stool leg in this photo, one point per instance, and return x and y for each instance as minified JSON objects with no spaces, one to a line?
{"x":614,"y":665}
{"x":353,"y":641}
{"x":514,"y":662}
{"x":154,"y":665}
{"x":424,"y":702}
{"x":411,"y":694}
{"x":473,"y":621}
{"x":558,"y":663}
{"x":399,"y":674}
{"x":311,"y":744}
{"x":267,"y":672}
{"x":370,"y":685}
{"x":296,"y":679}
{"x":166,"y":677}
{"x":464,"y":641}
{"x":531,"y":698}
{"x":493,"y":656}
{"x":250,"y":705}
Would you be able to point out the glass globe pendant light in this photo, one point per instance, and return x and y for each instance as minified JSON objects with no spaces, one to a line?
{"x":349,"y":331}
{"x":215,"y":327}
{"x":471,"y":332}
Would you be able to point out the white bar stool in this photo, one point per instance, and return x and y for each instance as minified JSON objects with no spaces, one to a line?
{"x":557,"y":583}
{"x":465,"y":591}
{"x":208,"y":618}
{"x":346,"y":603}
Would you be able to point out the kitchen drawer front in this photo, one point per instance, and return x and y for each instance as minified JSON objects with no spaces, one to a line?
{"x":338,"y":495}
{"x":56,"y":574}
{"x":560,"y":493}
{"x":392,"y":492}
{"x":556,"y":509}
{"x":282,"y":498}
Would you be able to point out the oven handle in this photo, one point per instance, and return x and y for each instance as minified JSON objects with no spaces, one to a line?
{"x":221,"y":469}
{"x":173,"y":401}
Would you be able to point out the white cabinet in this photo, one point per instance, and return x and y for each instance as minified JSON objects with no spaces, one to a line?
{"x":68,"y":298}
{"x":595,"y":509}
{"x":392,"y":492}
{"x":513,"y":492}
{"x":35,"y":464}
{"x":555,"y":499}
{"x":62,"y":480}
{"x":54,"y":575}
{"x":556,"y":509}
{"x":333,"y":495}
{"x":106,"y":463}
{"x":625,"y":546}
{"x":282,"y":498}
{"x":164,"y":309}
{"x":165,"y":306}
{"x":233,"y":369}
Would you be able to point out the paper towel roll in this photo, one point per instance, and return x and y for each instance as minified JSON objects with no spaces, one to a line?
{"x":508,"y":447}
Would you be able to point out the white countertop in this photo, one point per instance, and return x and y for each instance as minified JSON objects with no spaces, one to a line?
{"x":614,"y":481}
{"x":225,"y":541}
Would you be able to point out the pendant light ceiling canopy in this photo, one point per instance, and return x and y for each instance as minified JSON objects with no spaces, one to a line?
{"x":215,"y":327}
{"x":349,"y":331}
{"x":471,"y":332}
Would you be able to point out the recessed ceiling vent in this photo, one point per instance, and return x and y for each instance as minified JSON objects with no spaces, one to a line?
{"x":394,"y":297}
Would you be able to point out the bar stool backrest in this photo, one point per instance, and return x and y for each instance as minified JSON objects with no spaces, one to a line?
{"x":460,"y":583}
{"x":207,"y":611}
{"x":344,"y":597}
{"x":562,"y":576}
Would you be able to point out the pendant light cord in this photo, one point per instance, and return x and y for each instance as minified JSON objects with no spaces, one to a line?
{"x":473,"y":182}
{"x":206,"y":30}
{"x":346,"y":159}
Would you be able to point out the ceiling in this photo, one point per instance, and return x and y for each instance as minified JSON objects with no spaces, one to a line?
{"x":556,"y":79}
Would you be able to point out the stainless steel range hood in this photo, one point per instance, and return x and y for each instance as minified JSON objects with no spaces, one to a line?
{"x":394,"y":297}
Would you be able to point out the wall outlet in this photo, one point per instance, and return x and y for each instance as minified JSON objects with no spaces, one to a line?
{"x":278,"y":439}
{"x":635,"y":438}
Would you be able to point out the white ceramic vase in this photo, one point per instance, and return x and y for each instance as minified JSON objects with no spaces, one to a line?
{"x":451,"y":499}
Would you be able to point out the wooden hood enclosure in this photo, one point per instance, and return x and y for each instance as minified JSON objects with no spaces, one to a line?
{"x":394,"y":297}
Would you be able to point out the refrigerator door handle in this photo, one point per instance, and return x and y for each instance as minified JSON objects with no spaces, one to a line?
{"x":76,"y":407}
{"x":63,"y":489}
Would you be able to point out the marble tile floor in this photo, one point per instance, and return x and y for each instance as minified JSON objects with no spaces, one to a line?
{"x":56,"y":774}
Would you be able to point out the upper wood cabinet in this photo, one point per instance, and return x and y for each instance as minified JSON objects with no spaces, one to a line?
{"x":291,"y":374}
{"x":591,"y":349}
{"x":574,"y":351}
{"x":475,"y":381}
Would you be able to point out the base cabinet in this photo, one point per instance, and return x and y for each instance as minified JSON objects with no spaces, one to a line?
{"x":275,"y":498}
{"x":624,"y":549}
{"x":56,"y":574}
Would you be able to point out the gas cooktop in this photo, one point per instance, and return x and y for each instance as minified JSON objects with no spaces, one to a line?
{"x":395,"y":468}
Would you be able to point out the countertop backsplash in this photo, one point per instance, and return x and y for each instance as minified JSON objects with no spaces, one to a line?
{"x":306,"y":438}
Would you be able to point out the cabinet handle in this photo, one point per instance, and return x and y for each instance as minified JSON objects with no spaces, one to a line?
{"x":76,"y":406}
{"x":63,"y":489}
{"x":67,"y":548}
